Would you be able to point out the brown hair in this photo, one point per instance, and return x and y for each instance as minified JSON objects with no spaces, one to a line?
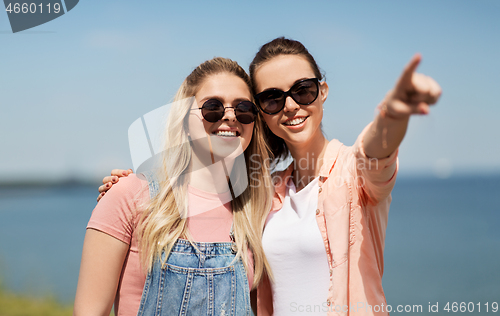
{"x":277,"y":47}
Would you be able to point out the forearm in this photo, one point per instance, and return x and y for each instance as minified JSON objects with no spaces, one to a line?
{"x":384,"y":136}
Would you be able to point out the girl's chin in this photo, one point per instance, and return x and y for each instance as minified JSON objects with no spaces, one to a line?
{"x":298,"y":138}
{"x":226,"y":146}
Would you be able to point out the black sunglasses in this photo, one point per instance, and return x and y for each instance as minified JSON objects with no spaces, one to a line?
{"x":213,"y":111}
{"x":304,"y":92}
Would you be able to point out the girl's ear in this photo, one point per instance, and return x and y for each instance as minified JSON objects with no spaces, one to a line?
{"x":323,"y":88}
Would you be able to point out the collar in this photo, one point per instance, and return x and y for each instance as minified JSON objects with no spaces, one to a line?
{"x":281,"y":178}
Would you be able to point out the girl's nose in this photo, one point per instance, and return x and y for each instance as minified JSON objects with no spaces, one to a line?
{"x":229,"y":114}
{"x":290,"y":105}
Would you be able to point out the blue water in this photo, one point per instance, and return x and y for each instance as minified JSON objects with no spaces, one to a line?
{"x":443,"y":240}
{"x":41,"y":238}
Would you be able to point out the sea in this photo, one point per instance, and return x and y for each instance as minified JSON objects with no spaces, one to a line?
{"x":442,"y":245}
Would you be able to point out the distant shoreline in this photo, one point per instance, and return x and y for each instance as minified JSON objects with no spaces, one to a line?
{"x":42,"y":183}
{"x":74,"y":183}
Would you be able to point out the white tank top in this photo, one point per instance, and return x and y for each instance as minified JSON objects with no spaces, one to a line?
{"x":295,"y":250}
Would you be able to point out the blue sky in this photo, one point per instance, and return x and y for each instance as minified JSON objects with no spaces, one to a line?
{"x":70,"y":88}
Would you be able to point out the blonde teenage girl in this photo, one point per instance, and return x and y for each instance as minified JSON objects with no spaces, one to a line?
{"x":199,"y":239}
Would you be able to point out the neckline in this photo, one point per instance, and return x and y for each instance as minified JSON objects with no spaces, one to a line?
{"x":225,"y":196}
{"x":291,"y":188}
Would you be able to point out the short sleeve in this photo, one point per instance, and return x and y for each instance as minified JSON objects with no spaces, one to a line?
{"x":117,"y":212}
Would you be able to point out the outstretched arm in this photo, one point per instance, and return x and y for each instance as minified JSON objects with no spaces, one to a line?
{"x":412,"y":94}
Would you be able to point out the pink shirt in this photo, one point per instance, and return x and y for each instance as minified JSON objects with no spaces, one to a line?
{"x":353,"y":207}
{"x":118,"y":213}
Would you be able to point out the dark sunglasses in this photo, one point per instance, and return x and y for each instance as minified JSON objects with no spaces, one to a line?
{"x":304,"y":92}
{"x":213,"y":111}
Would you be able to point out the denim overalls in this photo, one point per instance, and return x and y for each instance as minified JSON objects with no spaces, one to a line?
{"x":198,"y":282}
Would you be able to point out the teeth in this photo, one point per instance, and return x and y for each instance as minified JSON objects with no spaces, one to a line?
{"x":295,"y":121}
{"x":226,"y":133}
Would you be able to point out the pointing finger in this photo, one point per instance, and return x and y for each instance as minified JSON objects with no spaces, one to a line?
{"x":405,"y":81}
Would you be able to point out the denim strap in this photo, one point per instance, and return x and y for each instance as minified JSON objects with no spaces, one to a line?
{"x":154,"y":186}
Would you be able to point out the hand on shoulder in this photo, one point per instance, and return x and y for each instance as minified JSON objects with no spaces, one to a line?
{"x":109,"y":181}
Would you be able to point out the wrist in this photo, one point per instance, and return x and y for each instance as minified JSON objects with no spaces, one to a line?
{"x":386,"y":114}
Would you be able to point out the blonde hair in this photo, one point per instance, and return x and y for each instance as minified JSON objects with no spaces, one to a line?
{"x":163,"y":221}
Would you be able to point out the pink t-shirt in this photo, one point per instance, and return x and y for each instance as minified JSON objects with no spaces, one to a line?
{"x":119,"y":211}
